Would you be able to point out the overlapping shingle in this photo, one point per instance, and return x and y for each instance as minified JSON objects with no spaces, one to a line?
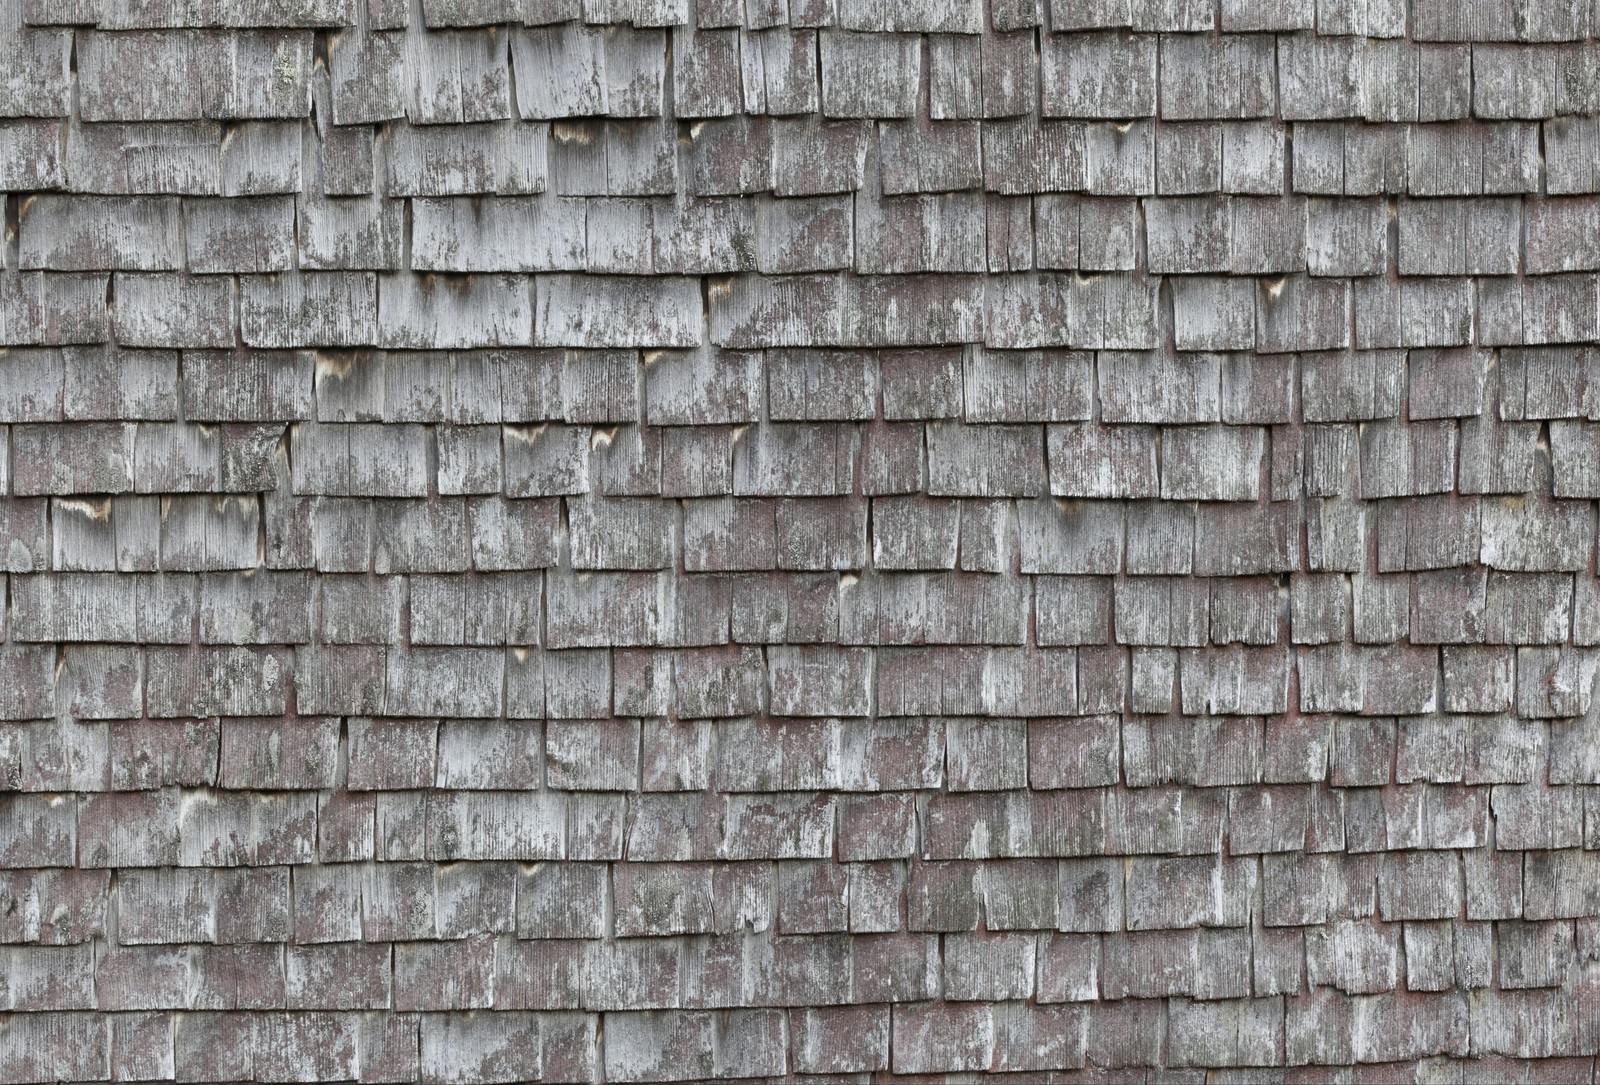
{"x":828,"y":540}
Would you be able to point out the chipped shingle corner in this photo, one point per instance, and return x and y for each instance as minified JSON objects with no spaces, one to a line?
{"x":808,"y":540}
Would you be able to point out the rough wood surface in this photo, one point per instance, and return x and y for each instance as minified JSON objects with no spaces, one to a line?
{"x":807,"y":540}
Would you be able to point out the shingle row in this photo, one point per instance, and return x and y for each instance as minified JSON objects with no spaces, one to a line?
{"x":717,"y":388}
{"x":787,"y":157}
{"x":1434,"y":20}
{"x":787,"y":680}
{"x":616,"y":466}
{"x":1164,"y":840}
{"x":1319,"y":850}
{"x":846,"y":72}
{"x":184,"y":531}
{"x":260,"y":606}
{"x":1111,"y":913}
{"x":1359,"y":957}
{"x":1267,"y":765}
{"x":1072,"y":1043}
{"x":1116,"y":312}
{"x":1251,"y":236}
{"x":1348,"y":938}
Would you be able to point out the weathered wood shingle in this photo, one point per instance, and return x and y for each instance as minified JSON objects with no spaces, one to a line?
{"x":561,"y":539}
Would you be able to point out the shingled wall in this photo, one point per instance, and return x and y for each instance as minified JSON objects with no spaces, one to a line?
{"x":824,"y":540}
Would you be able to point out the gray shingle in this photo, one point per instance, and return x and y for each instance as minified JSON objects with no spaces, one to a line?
{"x":175,"y":311}
{"x":452,"y":313}
{"x":1099,"y":75}
{"x":349,"y":358}
{"x":585,"y":311}
{"x":1235,"y":71}
{"x":1253,"y":156}
{"x":868,"y":75}
{"x":78,"y":233}
{"x":452,"y":160}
